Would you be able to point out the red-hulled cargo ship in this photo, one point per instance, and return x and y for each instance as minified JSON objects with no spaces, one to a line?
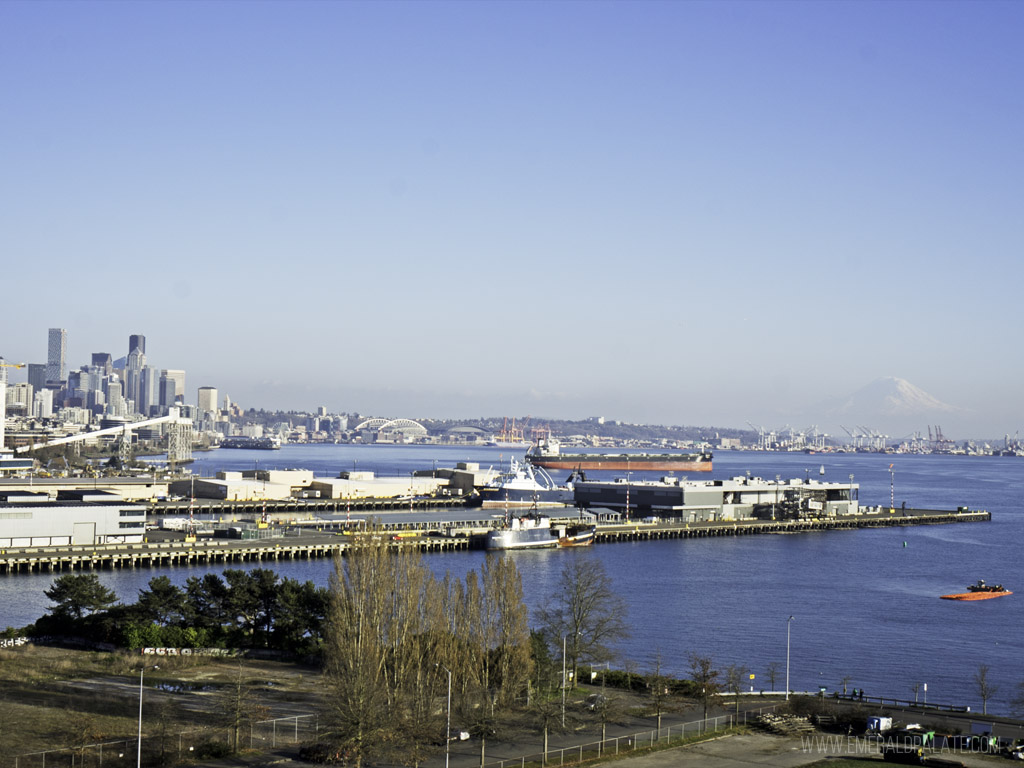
{"x":548,"y":454}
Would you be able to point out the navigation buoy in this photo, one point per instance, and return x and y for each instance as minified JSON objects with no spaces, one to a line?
{"x":904,"y":544}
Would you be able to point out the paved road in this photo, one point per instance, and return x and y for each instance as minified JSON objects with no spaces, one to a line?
{"x":729,"y":752}
{"x":781,"y":751}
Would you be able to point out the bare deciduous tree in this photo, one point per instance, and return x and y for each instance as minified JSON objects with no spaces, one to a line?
{"x":356,"y":648}
{"x":547,"y":713}
{"x":511,"y":629}
{"x":238,"y":706}
{"x":986,"y":689}
{"x":659,"y":686}
{"x":736,"y":676}
{"x":705,"y":680}
{"x":1017,"y":704}
{"x":395,"y":634}
{"x":585,"y":613}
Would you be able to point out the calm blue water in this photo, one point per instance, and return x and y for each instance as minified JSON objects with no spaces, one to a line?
{"x":864,"y":605}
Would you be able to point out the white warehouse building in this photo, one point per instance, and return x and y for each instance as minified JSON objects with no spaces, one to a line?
{"x":85,"y":518}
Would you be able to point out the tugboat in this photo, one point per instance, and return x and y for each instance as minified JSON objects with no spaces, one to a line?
{"x":980,"y":591}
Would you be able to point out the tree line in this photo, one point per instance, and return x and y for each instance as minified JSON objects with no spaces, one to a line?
{"x":242,"y":609}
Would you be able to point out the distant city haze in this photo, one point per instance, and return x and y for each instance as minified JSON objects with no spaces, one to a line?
{"x":672,"y":213}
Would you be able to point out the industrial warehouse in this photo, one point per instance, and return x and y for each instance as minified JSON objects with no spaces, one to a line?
{"x":74,"y":518}
{"x":740,"y":498}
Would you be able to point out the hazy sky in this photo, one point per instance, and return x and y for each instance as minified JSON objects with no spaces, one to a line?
{"x":667,"y":212}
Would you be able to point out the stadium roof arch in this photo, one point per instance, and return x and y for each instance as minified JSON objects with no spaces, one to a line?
{"x":407,"y":426}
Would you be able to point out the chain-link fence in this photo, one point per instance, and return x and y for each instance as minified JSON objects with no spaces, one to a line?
{"x":260,"y":735}
{"x":110,"y":754}
{"x":618,"y":745}
{"x":268,"y":734}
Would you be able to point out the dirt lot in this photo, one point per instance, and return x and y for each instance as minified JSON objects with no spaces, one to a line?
{"x":52,"y":698}
{"x":55,"y":699}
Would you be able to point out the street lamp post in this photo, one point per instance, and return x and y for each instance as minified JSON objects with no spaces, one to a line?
{"x":448,"y":725}
{"x":139,"y":751}
{"x":892,"y":490}
{"x":563,"y":666}
{"x":789,"y":622}
{"x":564,"y":638}
{"x":448,"y":716}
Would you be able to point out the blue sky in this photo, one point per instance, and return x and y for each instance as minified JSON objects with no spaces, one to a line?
{"x":668,"y":212}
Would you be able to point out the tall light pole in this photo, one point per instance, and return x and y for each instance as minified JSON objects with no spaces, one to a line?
{"x":789,"y":622}
{"x":139,"y":753}
{"x":563,"y":655}
{"x":892,"y":490}
{"x":564,"y":637}
{"x":448,"y":725}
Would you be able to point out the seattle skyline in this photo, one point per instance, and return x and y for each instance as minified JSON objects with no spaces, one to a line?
{"x":692,"y":213}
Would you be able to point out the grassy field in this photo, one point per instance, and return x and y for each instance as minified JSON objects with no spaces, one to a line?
{"x":53,"y":698}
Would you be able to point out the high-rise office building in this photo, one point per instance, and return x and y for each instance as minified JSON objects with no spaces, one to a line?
{"x":104,"y":361}
{"x":19,"y":398}
{"x":115,"y":400}
{"x":207,"y":399}
{"x":56,"y":363}
{"x":149,"y":390}
{"x":178,"y":377}
{"x":168,"y":392}
{"x":133,"y":375}
{"x":42,"y":407}
{"x":37,"y":375}
{"x":137,"y":341}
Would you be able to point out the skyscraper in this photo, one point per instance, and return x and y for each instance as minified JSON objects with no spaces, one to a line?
{"x":137,"y":341}
{"x":178,"y":377}
{"x":103,"y":361}
{"x":168,"y":392}
{"x":149,"y":390}
{"x":56,"y":365}
{"x":207,"y":400}
{"x":133,"y":376}
{"x":37,"y":375}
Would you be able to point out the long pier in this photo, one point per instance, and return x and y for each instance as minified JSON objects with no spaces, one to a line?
{"x":423,"y":535}
{"x":668,"y":530}
{"x":205,"y":552}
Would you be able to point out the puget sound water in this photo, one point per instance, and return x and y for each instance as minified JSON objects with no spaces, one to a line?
{"x":865,"y":603}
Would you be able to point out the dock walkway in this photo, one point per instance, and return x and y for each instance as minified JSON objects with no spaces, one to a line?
{"x":640,"y":531}
{"x":310,"y":545}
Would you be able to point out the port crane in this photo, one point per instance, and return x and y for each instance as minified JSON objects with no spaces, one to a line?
{"x":856,"y":438}
{"x":817,"y":439}
{"x":941,"y":444}
{"x":762,"y":437}
{"x":510,"y":433}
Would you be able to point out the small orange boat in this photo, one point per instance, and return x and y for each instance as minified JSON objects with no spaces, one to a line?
{"x":980,"y":591}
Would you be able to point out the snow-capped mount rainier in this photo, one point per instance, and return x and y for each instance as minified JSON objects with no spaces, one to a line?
{"x":892,"y":405}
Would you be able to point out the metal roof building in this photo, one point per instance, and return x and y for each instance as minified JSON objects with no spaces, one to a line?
{"x":84,"y":518}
